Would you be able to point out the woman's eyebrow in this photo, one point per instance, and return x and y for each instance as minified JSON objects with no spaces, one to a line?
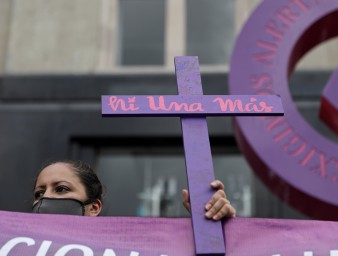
{"x":39,"y":187}
{"x":53,"y":184}
{"x":62,"y":181}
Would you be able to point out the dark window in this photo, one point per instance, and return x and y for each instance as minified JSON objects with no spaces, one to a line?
{"x":142,"y":32}
{"x":210,"y":30}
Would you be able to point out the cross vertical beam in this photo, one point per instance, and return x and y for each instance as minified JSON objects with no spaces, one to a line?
{"x":208,"y":235}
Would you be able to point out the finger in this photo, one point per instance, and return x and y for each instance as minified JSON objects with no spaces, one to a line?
{"x":185,"y":194}
{"x":226,"y":211}
{"x":215,"y":197}
{"x":217,"y":184}
{"x":216,"y":207}
{"x":222,"y":208}
{"x":186,"y":200}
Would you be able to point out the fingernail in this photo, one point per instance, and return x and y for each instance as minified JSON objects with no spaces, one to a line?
{"x":216,"y":217}
{"x":208,"y":215}
{"x":208,"y":206}
{"x":214,"y":183}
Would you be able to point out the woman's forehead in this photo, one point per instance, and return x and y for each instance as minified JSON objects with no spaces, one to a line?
{"x":57,"y":171}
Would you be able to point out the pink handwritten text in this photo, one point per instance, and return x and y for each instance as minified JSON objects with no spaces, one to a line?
{"x":173,"y":106}
{"x":237,"y":105}
{"x":121,"y":104}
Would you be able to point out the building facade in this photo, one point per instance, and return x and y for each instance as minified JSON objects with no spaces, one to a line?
{"x":56,"y":60}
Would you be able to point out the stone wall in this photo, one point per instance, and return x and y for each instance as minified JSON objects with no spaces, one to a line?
{"x":64,"y":36}
{"x":5,"y":18}
{"x":53,"y":36}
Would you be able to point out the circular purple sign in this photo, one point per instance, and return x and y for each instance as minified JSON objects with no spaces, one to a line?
{"x":294,"y":160}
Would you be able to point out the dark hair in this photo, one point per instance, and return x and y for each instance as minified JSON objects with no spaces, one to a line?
{"x":87,"y":176}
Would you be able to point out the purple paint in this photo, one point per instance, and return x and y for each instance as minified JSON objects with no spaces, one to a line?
{"x":208,"y":235}
{"x":193,"y":108}
{"x":293,"y":159}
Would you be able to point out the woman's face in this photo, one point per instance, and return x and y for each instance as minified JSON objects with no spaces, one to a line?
{"x":60,"y":181}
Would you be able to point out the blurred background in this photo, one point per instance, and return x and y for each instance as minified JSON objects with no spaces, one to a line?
{"x":58,"y":57}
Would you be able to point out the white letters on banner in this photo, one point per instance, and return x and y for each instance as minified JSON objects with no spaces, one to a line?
{"x":308,"y":253}
{"x":13,"y":242}
{"x":44,"y":247}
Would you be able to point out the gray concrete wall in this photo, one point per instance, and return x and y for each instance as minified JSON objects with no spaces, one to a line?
{"x":64,"y":36}
{"x":5,"y":18}
{"x":53,"y":36}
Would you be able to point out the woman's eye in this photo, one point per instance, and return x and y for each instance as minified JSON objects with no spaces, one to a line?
{"x":38,"y":194}
{"x":62,"y":189}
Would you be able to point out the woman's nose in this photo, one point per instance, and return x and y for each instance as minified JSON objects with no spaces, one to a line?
{"x":49,"y":193}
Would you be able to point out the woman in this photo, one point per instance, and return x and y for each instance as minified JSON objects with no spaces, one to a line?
{"x":69,"y":187}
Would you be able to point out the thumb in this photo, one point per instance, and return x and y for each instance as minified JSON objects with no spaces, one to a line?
{"x":186,"y":200}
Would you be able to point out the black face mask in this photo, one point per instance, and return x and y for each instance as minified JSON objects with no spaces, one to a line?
{"x":60,"y":206}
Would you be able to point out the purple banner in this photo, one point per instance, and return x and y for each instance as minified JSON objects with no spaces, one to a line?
{"x":192,"y":105}
{"x":60,"y":235}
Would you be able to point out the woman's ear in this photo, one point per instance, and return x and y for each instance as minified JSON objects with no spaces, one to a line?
{"x":94,"y":208}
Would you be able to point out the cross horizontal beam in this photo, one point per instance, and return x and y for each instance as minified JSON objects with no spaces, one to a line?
{"x":195,"y":105}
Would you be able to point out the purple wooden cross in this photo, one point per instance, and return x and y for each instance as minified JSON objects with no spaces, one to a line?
{"x":193,"y":108}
